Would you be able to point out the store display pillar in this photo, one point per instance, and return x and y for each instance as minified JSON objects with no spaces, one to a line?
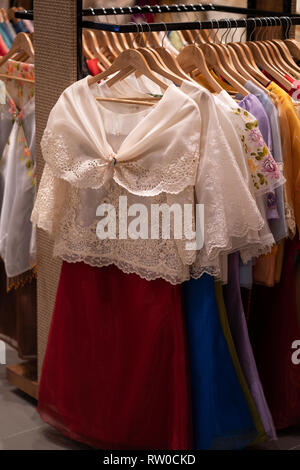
{"x":55,"y":40}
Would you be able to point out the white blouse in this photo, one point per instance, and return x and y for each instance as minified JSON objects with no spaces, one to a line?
{"x":94,"y":154}
{"x":235,"y":190}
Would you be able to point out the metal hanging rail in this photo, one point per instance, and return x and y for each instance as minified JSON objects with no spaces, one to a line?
{"x":198,"y":7}
{"x":176,"y":9}
{"x":195,"y":25}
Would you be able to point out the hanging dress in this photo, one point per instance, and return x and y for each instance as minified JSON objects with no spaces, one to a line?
{"x":115,"y":373}
{"x":221,"y":417}
{"x":17,"y":189}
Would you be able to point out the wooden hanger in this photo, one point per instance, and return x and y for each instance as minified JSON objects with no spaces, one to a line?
{"x":85,"y":49}
{"x":21,"y":44}
{"x":294,"y":47}
{"x":154,"y":62}
{"x":121,"y":42}
{"x":146,"y":101}
{"x":275,"y":54}
{"x":168,"y":62}
{"x":134,"y":59}
{"x":190,"y":58}
{"x":158,"y":67}
{"x":230,"y":60}
{"x":93,"y":46}
{"x":22,"y":56}
{"x":285,"y":53}
{"x":213,"y":59}
{"x":240,"y":63}
{"x":105,"y":45}
{"x":292,"y":44}
{"x":171,"y":62}
{"x":129,"y":37}
{"x":266,"y":49}
{"x":241,"y":68}
{"x":262,"y":58}
{"x":247,"y":60}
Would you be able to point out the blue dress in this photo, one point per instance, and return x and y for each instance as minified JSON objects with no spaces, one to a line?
{"x":221,"y":417}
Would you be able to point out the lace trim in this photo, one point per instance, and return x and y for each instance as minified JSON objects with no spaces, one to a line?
{"x":172,"y":177}
{"x":255,"y":251}
{"x":290,"y":220}
{"x":127,"y":268}
{"x":150,"y":259}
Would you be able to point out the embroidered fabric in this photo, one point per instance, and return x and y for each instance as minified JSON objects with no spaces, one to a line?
{"x":221,"y":177}
{"x":150,"y":159}
{"x":76,"y":239}
{"x":266,"y":175}
{"x":150,"y":164}
{"x":171,"y":177}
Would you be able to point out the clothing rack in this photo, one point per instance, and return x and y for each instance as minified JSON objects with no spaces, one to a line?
{"x":193,"y":25}
{"x":54,"y":76}
{"x":250,"y":23}
{"x":198,"y":7}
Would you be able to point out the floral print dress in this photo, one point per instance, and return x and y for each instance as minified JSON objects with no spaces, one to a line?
{"x":17,"y":173}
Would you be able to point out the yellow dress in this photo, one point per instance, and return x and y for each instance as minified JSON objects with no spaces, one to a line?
{"x":294,"y":126}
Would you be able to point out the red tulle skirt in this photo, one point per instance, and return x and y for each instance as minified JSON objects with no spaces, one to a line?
{"x":115,"y":373}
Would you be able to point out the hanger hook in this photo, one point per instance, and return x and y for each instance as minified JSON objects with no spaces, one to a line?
{"x":148,"y":33}
{"x":165,"y":34}
{"x":228,"y":21}
{"x":216,"y":33}
{"x":223,"y":35}
{"x":236,"y":28}
{"x":265,"y":26}
{"x":286,"y":27}
{"x":290,"y":25}
{"x":245,"y":30}
{"x":253,"y":30}
{"x":197,"y":35}
{"x":140,"y":25}
{"x":209,"y":30}
{"x":136,"y":34}
{"x":259,"y":28}
{"x":271,"y":26}
{"x":275,"y":24}
{"x":280,"y":24}
{"x":212,"y":27}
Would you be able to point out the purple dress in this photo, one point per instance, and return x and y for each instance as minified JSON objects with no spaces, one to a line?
{"x":239,"y":331}
{"x":252,"y":104}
